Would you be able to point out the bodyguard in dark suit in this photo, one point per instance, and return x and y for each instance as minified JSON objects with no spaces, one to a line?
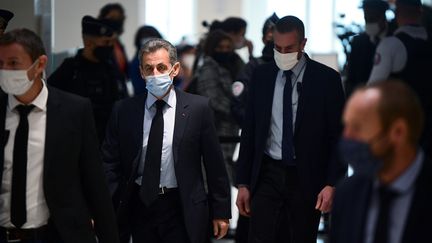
{"x":155,"y":147}
{"x":286,"y":166}
{"x":53,"y":187}
{"x":388,"y":197}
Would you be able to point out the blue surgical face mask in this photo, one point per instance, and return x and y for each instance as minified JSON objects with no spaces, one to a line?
{"x":359,"y":156}
{"x":158,"y":85}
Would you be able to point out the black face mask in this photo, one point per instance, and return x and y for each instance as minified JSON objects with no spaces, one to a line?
{"x":223,"y":57}
{"x":116,"y":25}
{"x":103,"y":53}
{"x":267,"y":52}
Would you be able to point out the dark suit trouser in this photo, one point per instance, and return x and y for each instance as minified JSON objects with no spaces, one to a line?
{"x":50,"y":235}
{"x":162,"y":221}
{"x":278,"y":195}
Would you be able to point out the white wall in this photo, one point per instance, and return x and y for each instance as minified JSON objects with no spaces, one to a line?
{"x":67,"y":22}
{"x":24,"y":14}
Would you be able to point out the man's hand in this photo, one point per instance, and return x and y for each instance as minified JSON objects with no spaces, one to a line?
{"x":325,"y":199}
{"x":243,"y":201}
{"x":220,"y":227}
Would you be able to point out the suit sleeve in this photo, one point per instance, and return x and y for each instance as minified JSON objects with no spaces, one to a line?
{"x":94,"y":182}
{"x":247,"y":142}
{"x":217,"y":177}
{"x":111,"y":155}
{"x":335,"y":101}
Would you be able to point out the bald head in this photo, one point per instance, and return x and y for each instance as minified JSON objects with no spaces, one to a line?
{"x":376,"y":108}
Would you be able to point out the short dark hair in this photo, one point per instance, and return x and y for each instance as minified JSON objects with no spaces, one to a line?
{"x":398,"y":101}
{"x":290,"y":23}
{"x":229,"y":25}
{"x":29,"y":40}
{"x":212,"y":41}
{"x":144,"y":32}
{"x":105,"y":10}
{"x":155,"y":44}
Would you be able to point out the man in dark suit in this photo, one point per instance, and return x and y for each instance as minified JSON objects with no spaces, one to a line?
{"x":154,"y":150}
{"x":53,"y":187}
{"x":388,"y":197}
{"x":286,"y":166}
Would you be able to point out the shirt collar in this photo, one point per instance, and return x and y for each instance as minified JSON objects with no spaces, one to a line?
{"x":407,"y":179}
{"x":299,"y":67}
{"x":39,"y":102}
{"x":169,"y":99}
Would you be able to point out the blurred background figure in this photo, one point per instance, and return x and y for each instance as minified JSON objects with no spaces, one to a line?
{"x":388,"y":197}
{"x":186,"y":56}
{"x":92,"y":73}
{"x":114,"y":15}
{"x":241,"y":85}
{"x":143,"y":34}
{"x":5,"y":17}
{"x":361,"y":58}
{"x":407,"y":55}
{"x":235,"y":28}
{"x":214,"y":80}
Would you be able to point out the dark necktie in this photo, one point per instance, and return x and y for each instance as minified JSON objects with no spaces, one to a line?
{"x":386,"y":197}
{"x":287,"y":129}
{"x":19,"y":168}
{"x":151,"y":174}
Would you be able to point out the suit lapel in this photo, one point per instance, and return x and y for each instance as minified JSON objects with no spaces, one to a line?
{"x":53,"y":127}
{"x":307,"y":77}
{"x":136,"y":126}
{"x":181,"y":118}
{"x":267,"y":87}
{"x":420,"y":201}
{"x":3,"y":134}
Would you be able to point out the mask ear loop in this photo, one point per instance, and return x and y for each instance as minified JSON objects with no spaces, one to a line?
{"x":33,"y":65}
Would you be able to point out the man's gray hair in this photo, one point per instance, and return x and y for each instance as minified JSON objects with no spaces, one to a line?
{"x":155,"y":44}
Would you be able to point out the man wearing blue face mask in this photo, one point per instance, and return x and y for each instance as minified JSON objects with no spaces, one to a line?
{"x":388,"y":197}
{"x":156,"y":147}
{"x":287,"y":165}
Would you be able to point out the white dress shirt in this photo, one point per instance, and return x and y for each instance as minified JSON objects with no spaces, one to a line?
{"x":274,"y":139}
{"x":37,"y":209}
{"x":167,"y":176}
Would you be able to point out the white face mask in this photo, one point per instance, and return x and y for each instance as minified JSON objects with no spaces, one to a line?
{"x":16,"y":82}
{"x":285,"y":61}
{"x":158,"y":85}
{"x":372,"y":29}
{"x":188,"y":60}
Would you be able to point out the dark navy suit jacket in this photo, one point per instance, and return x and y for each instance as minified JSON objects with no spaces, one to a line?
{"x":352,"y":201}
{"x":194,"y":140}
{"x":73,"y":177}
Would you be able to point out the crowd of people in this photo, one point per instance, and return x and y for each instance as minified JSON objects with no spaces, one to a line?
{"x":85,"y":160}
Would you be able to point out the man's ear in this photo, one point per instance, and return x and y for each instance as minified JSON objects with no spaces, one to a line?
{"x":176,"y":68}
{"x":399,"y":131}
{"x":41,"y":65}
